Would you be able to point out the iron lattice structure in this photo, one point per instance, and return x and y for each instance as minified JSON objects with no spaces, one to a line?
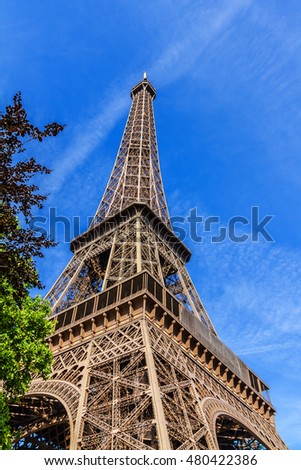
{"x":137,"y":361}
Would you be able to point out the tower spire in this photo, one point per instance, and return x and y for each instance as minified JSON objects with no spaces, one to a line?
{"x":142,"y":239}
{"x":136,"y":175}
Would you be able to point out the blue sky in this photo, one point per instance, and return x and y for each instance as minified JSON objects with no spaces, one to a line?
{"x":227,"y":74}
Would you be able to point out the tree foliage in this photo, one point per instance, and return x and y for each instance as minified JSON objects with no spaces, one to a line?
{"x":23,"y":350}
{"x":24,"y":323}
{"x":20,"y":245}
{"x":5,"y":430}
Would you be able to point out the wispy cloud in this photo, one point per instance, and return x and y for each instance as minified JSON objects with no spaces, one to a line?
{"x":87,"y":136}
{"x":247,"y":351}
{"x":195,"y":31}
{"x":253,"y":295}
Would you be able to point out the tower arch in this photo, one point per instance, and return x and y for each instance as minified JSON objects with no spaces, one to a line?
{"x":232,"y":429}
{"x":233,"y":435}
{"x":44,"y":418}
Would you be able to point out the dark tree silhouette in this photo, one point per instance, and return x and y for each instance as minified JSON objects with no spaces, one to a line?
{"x":20,"y":245}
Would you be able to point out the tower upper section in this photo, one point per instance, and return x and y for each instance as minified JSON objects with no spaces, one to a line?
{"x":136,"y":175}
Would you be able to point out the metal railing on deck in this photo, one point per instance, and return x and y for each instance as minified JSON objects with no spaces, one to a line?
{"x":115,"y":294}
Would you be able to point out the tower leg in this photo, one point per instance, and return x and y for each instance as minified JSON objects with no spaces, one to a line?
{"x":155,"y":391}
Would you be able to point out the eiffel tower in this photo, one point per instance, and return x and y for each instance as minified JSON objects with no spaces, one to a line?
{"x":137,"y":361}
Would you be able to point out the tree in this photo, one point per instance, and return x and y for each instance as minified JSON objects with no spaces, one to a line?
{"x":20,"y":245}
{"x":24,"y":322}
{"x":23,"y":350}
